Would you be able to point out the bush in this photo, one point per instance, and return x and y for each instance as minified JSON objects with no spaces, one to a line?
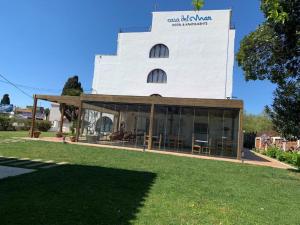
{"x":289,"y":157}
{"x":43,"y":125}
{"x":272,"y":152}
{"x":5,"y":123}
{"x":280,"y":155}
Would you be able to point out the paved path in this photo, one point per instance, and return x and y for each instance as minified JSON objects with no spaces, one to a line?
{"x":249,"y":156}
{"x":254,"y":158}
{"x":27,"y":163}
{"x":6,"y":171}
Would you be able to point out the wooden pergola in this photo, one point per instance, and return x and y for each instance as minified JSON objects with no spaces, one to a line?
{"x":87,"y":101}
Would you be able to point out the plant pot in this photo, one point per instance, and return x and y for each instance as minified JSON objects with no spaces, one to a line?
{"x":72,"y":138}
{"x":92,"y":139}
{"x":59,"y":134}
{"x":36,"y":134}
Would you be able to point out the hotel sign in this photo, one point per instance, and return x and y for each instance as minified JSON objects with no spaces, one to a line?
{"x":189,"y":20}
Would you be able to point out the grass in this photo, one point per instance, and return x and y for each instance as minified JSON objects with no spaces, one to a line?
{"x":10,"y":134}
{"x":104,"y":186}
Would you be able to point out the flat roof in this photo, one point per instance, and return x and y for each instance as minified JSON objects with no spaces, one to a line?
{"x":147,"y":100}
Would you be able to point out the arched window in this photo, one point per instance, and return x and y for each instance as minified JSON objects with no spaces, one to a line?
{"x":104,"y":124}
{"x":157,"y":76}
{"x":159,"y":51}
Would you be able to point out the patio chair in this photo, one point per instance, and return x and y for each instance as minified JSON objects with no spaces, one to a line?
{"x":175,"y":141}
{"x":206,"y":148}
{"x":196,"y":148}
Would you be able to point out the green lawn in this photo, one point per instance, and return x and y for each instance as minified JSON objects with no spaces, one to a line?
{"x":103,"y":186}
{"x":9,"y":134}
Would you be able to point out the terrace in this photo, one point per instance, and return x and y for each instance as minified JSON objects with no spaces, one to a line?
{"x":210,"y":127}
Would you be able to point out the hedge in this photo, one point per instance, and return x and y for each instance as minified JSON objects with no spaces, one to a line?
{"x":290,"y":157}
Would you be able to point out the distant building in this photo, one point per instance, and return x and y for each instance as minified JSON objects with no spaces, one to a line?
{"x":6,"y":108}
{"x":26,"y":113}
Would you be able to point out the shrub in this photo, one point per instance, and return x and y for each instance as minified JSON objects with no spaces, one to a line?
{"x":290,"y":157}
{"x":272,"y":152}
{"x":5,"y":123}
{"x":43,"y":125}
{"x":280,"y":155}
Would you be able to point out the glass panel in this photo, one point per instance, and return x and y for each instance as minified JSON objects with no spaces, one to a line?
{"x":185,"y":131}
{"x":216,"y":139}
{"x":201,"y":132}
{"x":230,"y":133}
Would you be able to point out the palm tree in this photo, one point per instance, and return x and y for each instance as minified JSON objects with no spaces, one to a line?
{"x":198,"y":4}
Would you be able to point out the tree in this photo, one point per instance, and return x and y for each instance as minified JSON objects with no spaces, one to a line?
{"x":198,"y":4}
{"x":285,"y":111}
{"x":47,"y":113}
{"x":5,"y":100}
{"x":272,"y":52}
{"x":72,"y":88}
{"x":257,"y":123}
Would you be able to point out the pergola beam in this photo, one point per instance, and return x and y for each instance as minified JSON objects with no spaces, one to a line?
{"x":149,"y":100}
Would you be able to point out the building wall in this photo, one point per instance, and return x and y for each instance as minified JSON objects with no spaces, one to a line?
{"x":54,"y":118}
{"x":200,"y":63}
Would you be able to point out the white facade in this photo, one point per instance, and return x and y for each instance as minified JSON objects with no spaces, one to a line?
{"x":54,"y":118}
{"x":200,"y":62}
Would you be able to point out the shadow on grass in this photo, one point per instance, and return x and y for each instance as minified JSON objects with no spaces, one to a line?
{"x":74,"y":195}
{"x":294,"y":170}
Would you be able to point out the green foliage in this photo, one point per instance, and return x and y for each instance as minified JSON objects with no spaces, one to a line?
{"x":47,"y":112}
{"x":272,"y":152}
{"x":257,"y":123}
{"x":43,"y":125}
{"x":289,"y":157}
{"x":210,"y":192}
{"x":5,"y":123}
{"x":198,"y":4}
{"x":272,"y":52}
{"x":285,"y":111}
{"x":274,"y":11}
{"x":72,"y":88}
{"x":5,"y":100}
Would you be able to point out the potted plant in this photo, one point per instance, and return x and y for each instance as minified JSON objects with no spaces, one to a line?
{"x":36,"y":134}
{"x":59,"y":134}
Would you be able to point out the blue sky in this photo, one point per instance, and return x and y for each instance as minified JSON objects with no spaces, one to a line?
{"x":42,"y":42}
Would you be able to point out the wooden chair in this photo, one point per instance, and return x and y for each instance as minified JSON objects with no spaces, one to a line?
{"x":195,"y":147}
{"x":206,"y":149}
{"x":175,"y":141}
{"x":200,"y":149}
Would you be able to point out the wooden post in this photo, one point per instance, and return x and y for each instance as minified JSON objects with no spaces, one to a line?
{"x":151,"y":127}
{"x":33,"y":116}
{"x":78,"y":122}
{"x":240,"y":135}
{"x":62,"y":118}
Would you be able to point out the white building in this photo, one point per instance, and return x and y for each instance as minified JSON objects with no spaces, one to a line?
{"x":55,"y":117}
{"x":184,"y":54}
{"x":186,"y":58}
